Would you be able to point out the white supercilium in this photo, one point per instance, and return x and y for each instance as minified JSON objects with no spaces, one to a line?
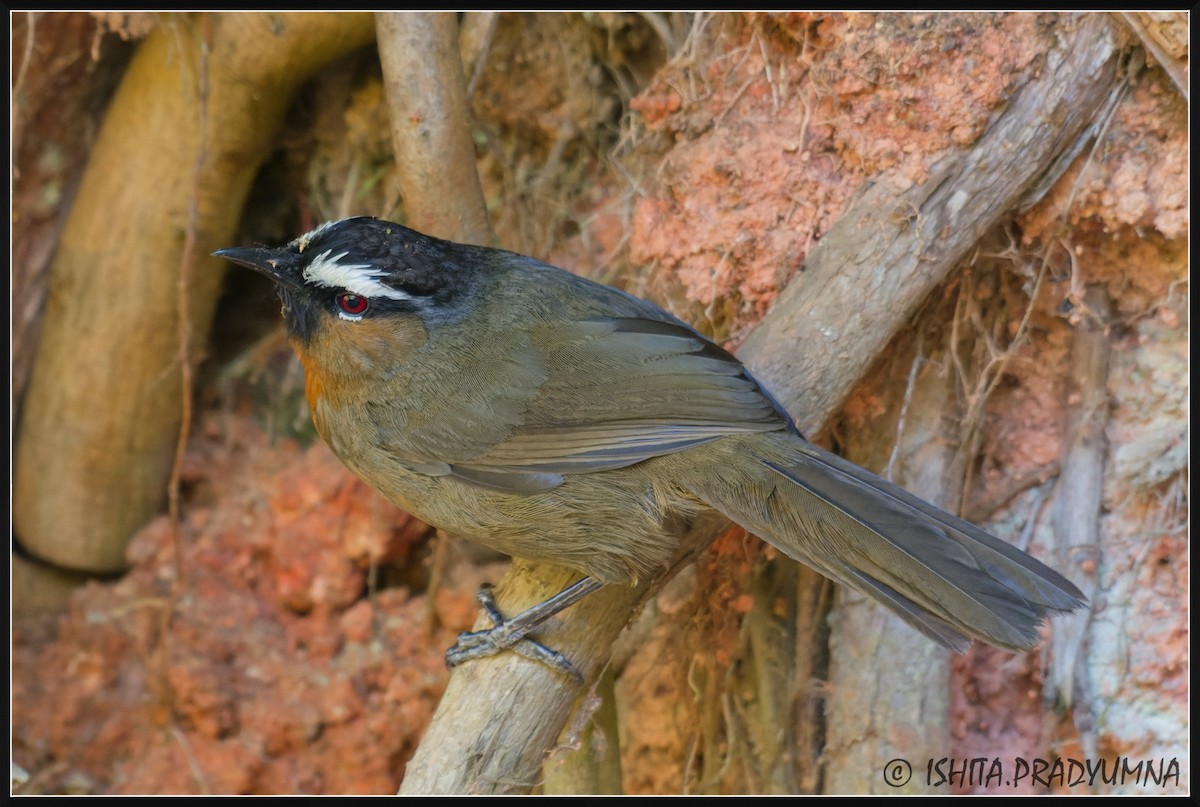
{"x":362,"y":279}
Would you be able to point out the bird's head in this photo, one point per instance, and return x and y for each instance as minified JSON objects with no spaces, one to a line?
{"x":362,"y":272}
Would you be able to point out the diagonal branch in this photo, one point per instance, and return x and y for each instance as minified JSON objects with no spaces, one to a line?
{"x":499,"y":716}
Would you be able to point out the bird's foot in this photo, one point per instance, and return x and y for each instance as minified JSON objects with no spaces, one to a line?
{"x":509,"y":634}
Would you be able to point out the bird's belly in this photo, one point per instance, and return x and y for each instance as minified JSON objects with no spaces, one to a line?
{"x":612,"y":525}
{"x":616,"y":526}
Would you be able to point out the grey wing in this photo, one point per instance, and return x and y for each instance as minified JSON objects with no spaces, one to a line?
{"x":617,"y":391}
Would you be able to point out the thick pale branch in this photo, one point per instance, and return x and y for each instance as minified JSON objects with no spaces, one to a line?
{"x":102,"y":411}
{"x":897,"y":240}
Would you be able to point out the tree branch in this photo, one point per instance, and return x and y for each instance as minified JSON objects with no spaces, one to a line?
{"x":101,"y":414}
{"x":431,"y":125}
{"x":888,"y":250}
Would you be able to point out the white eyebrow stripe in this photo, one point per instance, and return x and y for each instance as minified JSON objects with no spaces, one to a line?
{"x":356,"y":278}
{"x":303,"y":241}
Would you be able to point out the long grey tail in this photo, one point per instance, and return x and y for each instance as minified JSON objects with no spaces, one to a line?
{"x":945,"y":577}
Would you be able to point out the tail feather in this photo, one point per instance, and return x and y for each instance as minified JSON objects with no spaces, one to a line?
{"x":944,"y":576}
{"x":924,"y":621}
{"x":1037,"y":582}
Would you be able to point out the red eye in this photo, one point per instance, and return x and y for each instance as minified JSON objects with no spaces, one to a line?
{"x":353,"y":304}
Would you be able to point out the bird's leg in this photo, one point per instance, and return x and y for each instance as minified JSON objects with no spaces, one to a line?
{"x":513,"y":634}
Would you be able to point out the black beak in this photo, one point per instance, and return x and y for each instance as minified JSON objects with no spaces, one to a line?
{"x":276,"y":264}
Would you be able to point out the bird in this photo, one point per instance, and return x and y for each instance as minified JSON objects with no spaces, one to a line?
{"x":557,"y":419}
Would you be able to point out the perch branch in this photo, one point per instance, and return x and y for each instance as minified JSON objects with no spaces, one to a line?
{"x":500,"y":715}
